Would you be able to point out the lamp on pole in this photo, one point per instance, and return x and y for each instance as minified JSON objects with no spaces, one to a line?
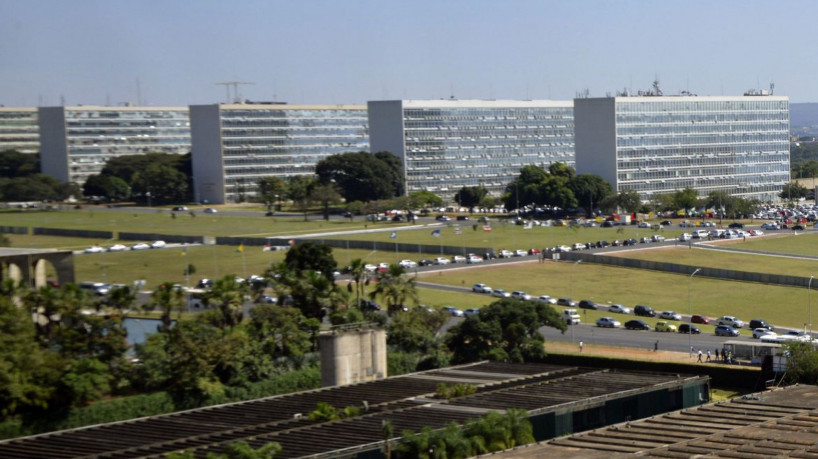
{"x":572,"y":278}
{"x":690,"y":313}
{"x":809,"y":304}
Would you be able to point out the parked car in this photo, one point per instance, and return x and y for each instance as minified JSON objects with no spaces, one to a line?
{"x":760,"y":323}
{"x":687,"y":328}
{"x":425,"y":262}
{"x":443,"y":218}
{"x":520,"y":253}
{"x":566,"y":302}
{"x":408,"y":264}
{"x":658,"y":238}
{"x":798,"y":227}
{"x":533,"y":251}
{"x":636,"y":324}
{"x":94,"y":249}
{"x":140,"y":246}
{"x":369,"y":305}
{"x":481,"y":288}
{"x":608,"y":322}
{"x":618,"y":308}
{"x":472,"y":259}
{"x":731,"y":321}
{"x":453,"y":311}
{"x":210,"y":210}
{"x":520,"y":295}
{"x":500,"y":293}
{"x":736,"y":225}
{"x":458,"y":259}
{"x":761,"y":331}
{"x":669,"y":315}
{"x":699,"y":319}
{"x":180,"y":209}
{"x":755,"y":232}
{"x":663,"y":326}
{"x":471,"y":312}
{"x":642,"y":310}
{"x":117,"y":248}
{"x":546,"y":299}
{"x":770,"y":226}
{"x":442,"y":261}
{"x":505,"y":254}
{"x":587,"y":304}
{"x":684,"y":237}
{"x":726,"y":330}
{"x":462,"y":218}
{"x":158,"y":244}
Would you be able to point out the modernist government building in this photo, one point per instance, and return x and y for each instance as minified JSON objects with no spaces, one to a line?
{"x":650,"y":143}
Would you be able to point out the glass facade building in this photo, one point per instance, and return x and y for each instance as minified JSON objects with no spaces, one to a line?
{"x":448,"y":144}
{"x":77,"y":142}
{"x":19,"y":129}
{"x":658,"y":145}
{"x":236,"y":145}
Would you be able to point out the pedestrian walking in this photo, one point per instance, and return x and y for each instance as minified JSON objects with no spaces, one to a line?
{"x":708,"y":356}
{"x":656,"y":346}
{"x":580,"y":346}
{"x":700,"y":357}
{"x":717,"y":353}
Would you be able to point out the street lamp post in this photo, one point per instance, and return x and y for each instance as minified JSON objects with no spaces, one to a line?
{"x":809,"y":305}
{"x":572,"y":278}
{"x":690,"y":313}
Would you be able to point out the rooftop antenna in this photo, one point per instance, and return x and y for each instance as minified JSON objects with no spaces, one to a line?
{"x":138,"y":93}
{"x":451,"y":90}
{"x":772,"y":88}
{"x":235,"y":85}
{"x":657,"y":91}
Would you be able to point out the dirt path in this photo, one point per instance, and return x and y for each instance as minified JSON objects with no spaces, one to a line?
{"x":628,"y":353}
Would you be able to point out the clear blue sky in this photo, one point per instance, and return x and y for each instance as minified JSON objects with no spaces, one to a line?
{"x":304,"y":51}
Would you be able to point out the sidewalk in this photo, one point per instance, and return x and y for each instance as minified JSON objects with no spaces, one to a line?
{"x":623,"y":352}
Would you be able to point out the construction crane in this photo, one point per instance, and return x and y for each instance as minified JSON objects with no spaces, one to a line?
{"x":235,"y":85}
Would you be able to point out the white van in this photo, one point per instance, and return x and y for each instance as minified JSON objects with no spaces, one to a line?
{"x":570,"y":316}
{"x":700,"y":234}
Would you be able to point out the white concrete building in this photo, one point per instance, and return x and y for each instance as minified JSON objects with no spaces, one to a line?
{"x":448,"y":144}
{"x":661,"y":144}
{"x":77,"y":142}
{"x":235,"y":145}
{"x":19,"y":129}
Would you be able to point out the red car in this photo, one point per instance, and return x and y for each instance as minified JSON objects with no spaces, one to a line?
{"x":699,"y":319}
{"x":534,"y":251}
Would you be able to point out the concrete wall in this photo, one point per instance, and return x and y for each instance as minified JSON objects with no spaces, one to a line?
{"x":176,"y":238}
{"x":73,"y":232}
{"x":386,"y":129}
{"x":352,"y":356}
{"x":366,"y":245}
{"x":53,"y":143}
{"x":595,"y":137}
{"x":206,"y":153}
{"x":13,"y":230}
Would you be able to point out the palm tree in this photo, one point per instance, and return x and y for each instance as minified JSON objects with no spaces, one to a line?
{"x":166,"y":298}
{"x":395,"y":287}
{"x":122,"y":298}
{"x":357,"y":270}
{"x":227,"y":295}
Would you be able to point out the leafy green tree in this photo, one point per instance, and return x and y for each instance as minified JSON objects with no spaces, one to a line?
{"x":125,"y":167}
{"x":627,"y":200}
{"x":470,"y":196}
{"x":505,"y":330}
{"x":421,"y":199}
{"x":164,"y":183}
{"x":86,"y":380}
{"x":167,"y":299}
{"x":312,"y":256}
{"x":562,"y":170}
{"x":415,"y":331}
{"x":37,"y":187}
{"x":359,"y":277}
{"x":793,"y":191}
{"x":395,"y":287}
{"x":237,"y":450}
{"x":283,"y":331}
{"x":314,"y":294}
{"x":271,"y":190}
{"x":298,"y":191}
{"x":803,"y":363}
{"x":15,"y":164}
{"x":363,"y":176}
{"x":113,"y":188}
{"x":227,"y":297}
{"x":325,"y":194}
{"x":590,"y":189}
{"x":685,"y":198}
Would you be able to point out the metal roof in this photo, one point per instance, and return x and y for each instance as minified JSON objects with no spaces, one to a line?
{"x":407,"y":401}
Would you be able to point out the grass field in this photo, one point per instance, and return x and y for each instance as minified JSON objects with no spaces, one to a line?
{"x":162,"y":222}
{"x":607,"y":285}
{"x":801,"y":244}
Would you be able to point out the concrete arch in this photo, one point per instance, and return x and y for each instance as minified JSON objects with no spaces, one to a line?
{"x":30,"y":265}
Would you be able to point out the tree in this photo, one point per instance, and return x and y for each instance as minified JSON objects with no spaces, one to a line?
{"x":415,"y":330}
{"x":793,"y":191}
{"x":312,"y":256}
{"x":395,"y":287}
{"x":164,"y":183}
{"x":227,"y":296}
{"x":237,"y":450}
{"x":363,"y":176}
{"x":803,"y":363}
{"x":314,"y":294}
{"x":282,"y":331}
{"x":326,"y":194}
{"x":271,"y":190}
{"x":37,"y":187}
{"x":470,"y":196}
{"x":113,"y":188}
{"x":298,"y":191}
{"x":167,"y":299}
{"x":126,"y":166}
{"x":590,"y":189}
{"x":685,"y":198}
{"x":506,"y":330}
{"x":15,"y":164}
{"x":627,"y":200}
{"x":422,"y":199}
{"x":358,"y":274}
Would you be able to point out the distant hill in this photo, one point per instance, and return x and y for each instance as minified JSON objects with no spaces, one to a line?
{"x":804,"y":115}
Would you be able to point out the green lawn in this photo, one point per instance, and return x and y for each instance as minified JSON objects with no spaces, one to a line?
{"x":607,"y":285}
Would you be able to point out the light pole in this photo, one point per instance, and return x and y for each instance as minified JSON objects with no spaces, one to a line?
{"x":809,"y":305}
{"x":573,"y":273}
{"x":690,"y":313}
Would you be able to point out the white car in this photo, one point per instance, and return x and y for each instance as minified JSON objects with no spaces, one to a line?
{"x":117,"y":248}
{"x":669,"y":315}
{"x":408,"y":264}
{"x":458,"y":259}
{"x":755,"y":232}
{"x":520,"y":295}
{"x":608,"y":322}
{"x":471,"y":312}
{"x":505,"y":254}
{"x":658,"y":238}
{"x":210,"y":210}
{"x":759,"y":332}
{"x":684,"y":237}
{"x":644,"y":225}
{"x":500,"y":293}
{"x":453,"y":311}
{"x":520,"y":253}
{"x":474,"y":259}
{"x":578,"y":246}
{"x":158,"y":244}
{"x":140,"y":246}
{"x":731,"y":321}
{"x":546,"y":299}
{"x":562,"y":248}
{"x":481,"y":288}
{"x":618,"y":308}
{"x":94,"y":249}
{"x":370,"y":268}
{"x":442,"y":261}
